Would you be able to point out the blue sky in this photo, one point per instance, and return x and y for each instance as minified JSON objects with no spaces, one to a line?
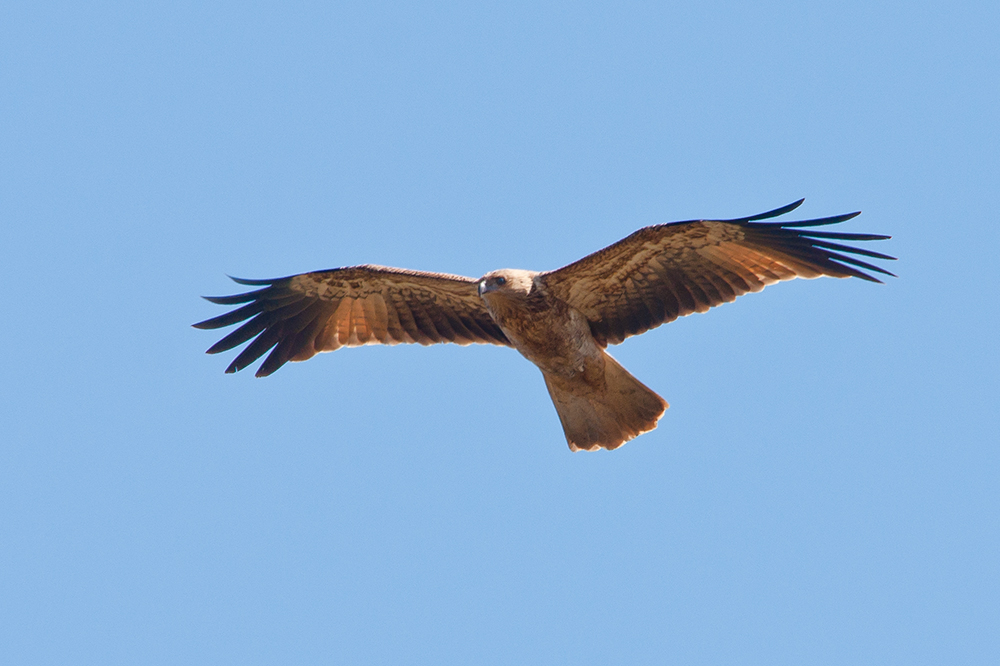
{"x":823,"y":488}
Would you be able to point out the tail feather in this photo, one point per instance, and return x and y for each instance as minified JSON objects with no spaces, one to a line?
{"x":606,"y":413}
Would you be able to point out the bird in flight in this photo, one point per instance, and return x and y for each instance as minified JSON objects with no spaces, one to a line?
{"x":561,"y":320}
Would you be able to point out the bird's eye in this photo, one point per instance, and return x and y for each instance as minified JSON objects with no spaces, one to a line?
{"x":501,"y":281}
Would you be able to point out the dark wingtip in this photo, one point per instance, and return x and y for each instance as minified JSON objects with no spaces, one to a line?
{"x":802,"y":240}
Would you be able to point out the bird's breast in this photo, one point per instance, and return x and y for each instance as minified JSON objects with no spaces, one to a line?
{"x":554,"y":337}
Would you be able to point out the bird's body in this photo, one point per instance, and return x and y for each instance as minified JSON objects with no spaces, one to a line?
{"x":599,"y":403}
{"x":560,"y":320}
{"x":546,"y":331}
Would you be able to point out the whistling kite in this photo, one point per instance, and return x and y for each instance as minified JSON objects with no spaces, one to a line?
{"x":561,"y":320}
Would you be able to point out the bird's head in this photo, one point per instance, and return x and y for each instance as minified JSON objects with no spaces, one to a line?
{"x":509,"y":282}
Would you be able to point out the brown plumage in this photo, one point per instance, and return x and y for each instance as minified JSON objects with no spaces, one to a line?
{"x":561,"y":320}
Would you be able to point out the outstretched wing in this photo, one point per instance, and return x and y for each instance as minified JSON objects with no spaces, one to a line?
{"x":666,"y":271}
{"x":301,"y":315}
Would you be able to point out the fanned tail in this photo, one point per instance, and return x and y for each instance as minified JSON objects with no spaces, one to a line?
{"x":605,"y":415}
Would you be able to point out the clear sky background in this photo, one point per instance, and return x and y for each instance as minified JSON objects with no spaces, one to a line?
{"x":823,"y":489}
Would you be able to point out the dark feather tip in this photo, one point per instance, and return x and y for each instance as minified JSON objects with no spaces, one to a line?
{"x":771,"y":213}
{"x":254,"y":283}
{"x":235,"y":299}
{"x":818,"y":222}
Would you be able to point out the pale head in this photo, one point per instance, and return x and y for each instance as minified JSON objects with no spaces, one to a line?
{"x":509,"y":282}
